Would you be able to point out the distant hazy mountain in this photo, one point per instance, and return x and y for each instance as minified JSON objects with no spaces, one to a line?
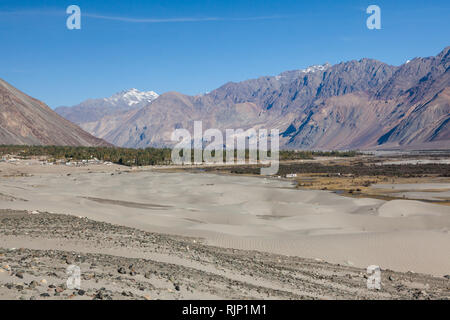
{"x":95,"y":109}
{"x":25,"y":120}
{"x":351,"y":105}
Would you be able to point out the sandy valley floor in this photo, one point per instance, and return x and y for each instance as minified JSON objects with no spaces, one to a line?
{"x":238,"y":212}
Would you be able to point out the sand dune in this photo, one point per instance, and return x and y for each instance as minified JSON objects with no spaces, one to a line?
{"x":248,"y":213}
{"x":409,"y":208}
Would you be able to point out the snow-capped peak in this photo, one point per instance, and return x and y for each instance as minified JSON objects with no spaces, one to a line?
{"x":317,"y":67}
{"x":296,"y":73}
{"x":133,"y":96}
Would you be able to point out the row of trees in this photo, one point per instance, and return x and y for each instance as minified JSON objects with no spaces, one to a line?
{"x":135,"y":157}
{"x":125,"y":156}
{"x":305,"y":154}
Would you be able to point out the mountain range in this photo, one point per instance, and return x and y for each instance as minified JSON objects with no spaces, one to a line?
{"x":25,"y":120}
{"x":93,"y":110}
{"x":364,"y":104}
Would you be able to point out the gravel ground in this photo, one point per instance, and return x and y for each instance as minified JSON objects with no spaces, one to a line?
{"x":118,"y":262}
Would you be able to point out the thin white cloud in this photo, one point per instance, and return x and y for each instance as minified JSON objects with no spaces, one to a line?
{"x":147,"y":20}
{"x":140,"y":20}
{"x":169,"y":20}
{"x":32,"y":12}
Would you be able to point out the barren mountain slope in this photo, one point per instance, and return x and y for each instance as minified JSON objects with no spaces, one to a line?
{"x":351,"y":105}
{"x":25,"y":120}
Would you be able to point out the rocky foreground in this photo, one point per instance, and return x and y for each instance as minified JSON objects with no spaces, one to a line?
{"x":118,"y":262}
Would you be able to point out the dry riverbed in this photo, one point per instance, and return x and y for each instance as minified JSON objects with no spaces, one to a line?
{"x":148,"y":233}
{"x":118,"y":262}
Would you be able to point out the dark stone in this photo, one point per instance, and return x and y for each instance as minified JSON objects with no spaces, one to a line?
{"x":33,"y":284}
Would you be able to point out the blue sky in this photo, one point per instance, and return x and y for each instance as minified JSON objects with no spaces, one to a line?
{"x":196,"y":46}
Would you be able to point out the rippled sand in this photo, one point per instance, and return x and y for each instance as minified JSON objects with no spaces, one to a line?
{"x":246,"y":213}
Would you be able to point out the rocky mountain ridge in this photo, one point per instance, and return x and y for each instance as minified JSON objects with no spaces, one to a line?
{"x":359,"y":104}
